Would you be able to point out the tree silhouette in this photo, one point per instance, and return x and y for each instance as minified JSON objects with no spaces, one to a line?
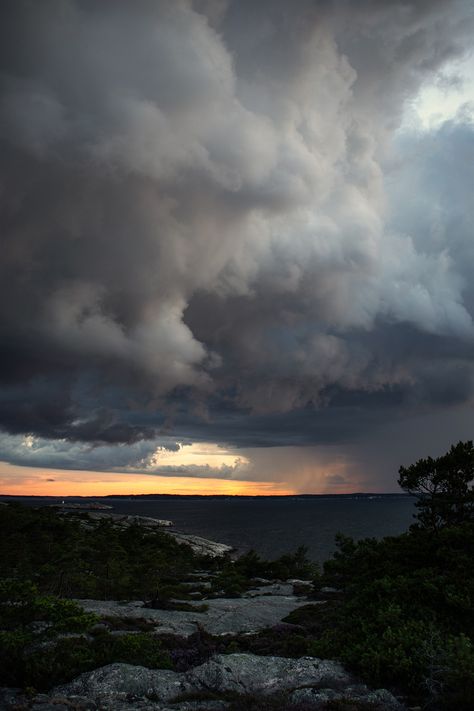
{"x":443,"y":487}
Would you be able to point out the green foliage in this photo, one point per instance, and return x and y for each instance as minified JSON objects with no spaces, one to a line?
{"x":407,"y":614}
{"x":28,"y":622}
{"x":45,"y":640}
{"x":453,"y":674}
{"x":314,"y":619}
{"x":236,"y":576}
{"x":67,"y":657}
{"x":23,"y":609}
{"x":406,"y":617}
{"x":46,"y":558}
{"x":443,"y":486}
{"x":77,"y":557}
{"x":293,"y":565}
{"x":230,"y":581}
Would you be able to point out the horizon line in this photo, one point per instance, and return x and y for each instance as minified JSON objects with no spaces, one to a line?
{"x":214,"y":496}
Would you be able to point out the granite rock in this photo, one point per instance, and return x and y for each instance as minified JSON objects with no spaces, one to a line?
{"x":123,"y":687}
{"x":223,"y":616}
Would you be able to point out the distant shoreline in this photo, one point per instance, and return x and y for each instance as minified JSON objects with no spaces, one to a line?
{"x":148,"y":497}
{"x":273,"y":526}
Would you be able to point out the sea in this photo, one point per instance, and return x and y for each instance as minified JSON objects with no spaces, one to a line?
{"x":270,"y":525}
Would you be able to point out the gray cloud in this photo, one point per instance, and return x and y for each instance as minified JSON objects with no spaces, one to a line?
{"x":62,"y":454}
{"x":133,"y":458}
{"x":212,"y":230}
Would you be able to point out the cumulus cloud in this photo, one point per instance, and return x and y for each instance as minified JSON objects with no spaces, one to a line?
{"x":160,"y":458}
{"x":213,"y":227}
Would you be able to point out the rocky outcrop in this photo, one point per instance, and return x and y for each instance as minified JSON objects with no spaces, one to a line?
{"x":117,"y":680}
{"x":127,"y":520}
{"x":310,"y":680}
{"x":256,"y":611}
{"x":224,"y":681}
{"x":202,"y":546}
{"x":250,"y":674}
{"x":199,"y":545}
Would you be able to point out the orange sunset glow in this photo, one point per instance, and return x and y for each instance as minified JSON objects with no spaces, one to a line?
{"x":22,"y":481}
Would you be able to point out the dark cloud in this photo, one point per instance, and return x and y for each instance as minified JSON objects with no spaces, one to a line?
{"x":212,"y":230}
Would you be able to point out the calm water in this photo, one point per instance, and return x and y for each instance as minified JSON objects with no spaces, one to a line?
{"x":273,"y":526}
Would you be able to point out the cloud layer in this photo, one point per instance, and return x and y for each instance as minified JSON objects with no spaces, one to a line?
{"x":213,"y":229}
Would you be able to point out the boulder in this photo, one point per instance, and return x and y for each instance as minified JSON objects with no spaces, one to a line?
{"x":122,"y":680}
{"x":249,"y":673}
{"x":307,"y":680}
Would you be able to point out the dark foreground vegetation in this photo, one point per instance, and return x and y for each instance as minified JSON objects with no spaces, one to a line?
{"x":47,"y":558}
{"x":406,"y":617}
{"x":399,"y":612}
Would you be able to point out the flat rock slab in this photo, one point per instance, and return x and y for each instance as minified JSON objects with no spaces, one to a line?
{"x":224,"y":616}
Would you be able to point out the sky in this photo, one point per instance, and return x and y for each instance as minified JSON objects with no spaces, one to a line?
{"x":237,"y":245}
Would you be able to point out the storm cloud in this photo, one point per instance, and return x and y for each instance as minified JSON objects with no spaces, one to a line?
{"x":214,"y":228}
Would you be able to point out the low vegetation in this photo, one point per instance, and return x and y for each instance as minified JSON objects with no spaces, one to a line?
{"x":73,"y":556}
{"x":406,"y":617}
{"x":235,"y":577}
{"x":402,"y":615}
{"x":47,"y":558}
{"x":46,"y":640}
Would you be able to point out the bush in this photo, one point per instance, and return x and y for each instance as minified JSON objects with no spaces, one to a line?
{"x":406,"y":619}
{"x":70,"y":557}
{"x":34,"y":648}
{"x":23,"y":609}
{"x":28,"y":622}
{"x":68,"y":657}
